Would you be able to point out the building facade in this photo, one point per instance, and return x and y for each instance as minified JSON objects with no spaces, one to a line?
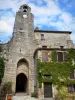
{"x":25,"y":47}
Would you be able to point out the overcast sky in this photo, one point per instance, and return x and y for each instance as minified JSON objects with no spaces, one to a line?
{"x":48,"y":15}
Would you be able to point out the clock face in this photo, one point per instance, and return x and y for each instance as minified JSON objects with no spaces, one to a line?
{"x":25,"y":16}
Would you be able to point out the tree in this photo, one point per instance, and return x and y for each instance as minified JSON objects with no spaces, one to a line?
{"x":2,"y":66}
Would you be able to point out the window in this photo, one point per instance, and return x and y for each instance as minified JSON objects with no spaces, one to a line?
{"x":72,"y":76}
{"x":61,"y":47}
{"x":71,"y":88}
{"x":44,"y":46}
{"x":47,"y":76}
{"x":42,"y":36}
{"x":61,"y":56}
{"x":25,"y":11}
{"x":20,"y":28}
{"x":25,"y":7}
{"x":44,"y":55}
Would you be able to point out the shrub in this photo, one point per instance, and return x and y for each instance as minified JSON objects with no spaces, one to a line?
{"x":34,"y":94}
{"x":2,"y":66}
{"x":6,"y":89}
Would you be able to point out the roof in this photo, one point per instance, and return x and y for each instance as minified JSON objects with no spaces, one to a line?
{"x":50,"y":31}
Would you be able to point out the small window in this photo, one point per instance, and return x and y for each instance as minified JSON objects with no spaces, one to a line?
{"x":25,"y":11}
{"x":71,"y":88}
{"x":44,"y":55}
{"x":25,"y":7}
{"x":60,"y":56}
{"x":72,"y":76}
{"x":47,"y":76}
{"x":61,"y":47}
{"x":20,"y":28}
{"x":44,"y":46}
{"x":42,"y":36}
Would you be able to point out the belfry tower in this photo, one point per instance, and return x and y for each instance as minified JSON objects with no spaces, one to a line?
{"x":20,"y":65}
{"x":24,"y":24}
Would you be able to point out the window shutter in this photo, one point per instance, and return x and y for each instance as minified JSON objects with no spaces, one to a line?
{"x":45,"y":56}
{"x":65,"y":56}
{"x":56,"y":56}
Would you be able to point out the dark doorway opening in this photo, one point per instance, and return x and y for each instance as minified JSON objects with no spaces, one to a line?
{"x":47,"y":90}
{"x":21,"y":83}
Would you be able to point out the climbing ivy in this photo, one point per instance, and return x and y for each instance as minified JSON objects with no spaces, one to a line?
{"x":53,"y":55}
{"x":2,"y":66}
{"x":60,"y":71}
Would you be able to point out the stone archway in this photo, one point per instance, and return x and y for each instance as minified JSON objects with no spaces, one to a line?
{"x":23,"y":67}
{"x":21,"y":83}
{"x":22,"y":77}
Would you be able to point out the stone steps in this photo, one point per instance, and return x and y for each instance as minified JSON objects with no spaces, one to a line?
{"x":48,"y":99}
{"x":24,"y":96}
{"x":28,"y":98}
{"x":21,"y":94}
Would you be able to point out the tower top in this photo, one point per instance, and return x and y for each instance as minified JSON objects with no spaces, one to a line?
{"x":25,"y":8}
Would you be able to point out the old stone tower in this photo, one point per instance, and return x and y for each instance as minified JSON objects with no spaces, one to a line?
{"x":20,"y":64}
{"x":25,"y":47}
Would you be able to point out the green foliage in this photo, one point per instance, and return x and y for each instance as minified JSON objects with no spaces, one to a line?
{"x":8,"y":85}
{"x":34,"y":94}
{"x":60,"y":71}
{"x":40,"y":80}
{"x":62,"y":93}
{"x":2,"y":66}
{"x":71,"y":54}
{"x":1,"y":48}
{"x":6,"y":89}
{"x":53,"y":56}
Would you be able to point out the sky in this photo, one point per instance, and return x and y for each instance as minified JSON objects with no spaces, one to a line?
{"x":48,"y":15}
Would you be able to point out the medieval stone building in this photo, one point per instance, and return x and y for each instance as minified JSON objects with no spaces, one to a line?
{"x":25,"y":47}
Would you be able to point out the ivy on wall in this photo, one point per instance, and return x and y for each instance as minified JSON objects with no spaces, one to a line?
{"x":1,"y":48}
{"x":60,"y":71}
{"x":2,"y":66}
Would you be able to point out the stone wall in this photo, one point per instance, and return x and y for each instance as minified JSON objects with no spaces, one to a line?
{"x":54,"y":40}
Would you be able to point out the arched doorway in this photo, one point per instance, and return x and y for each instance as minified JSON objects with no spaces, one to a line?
{"x":21,"y":83}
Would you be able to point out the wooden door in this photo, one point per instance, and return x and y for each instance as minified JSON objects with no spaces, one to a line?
{"x":47,"y":90}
